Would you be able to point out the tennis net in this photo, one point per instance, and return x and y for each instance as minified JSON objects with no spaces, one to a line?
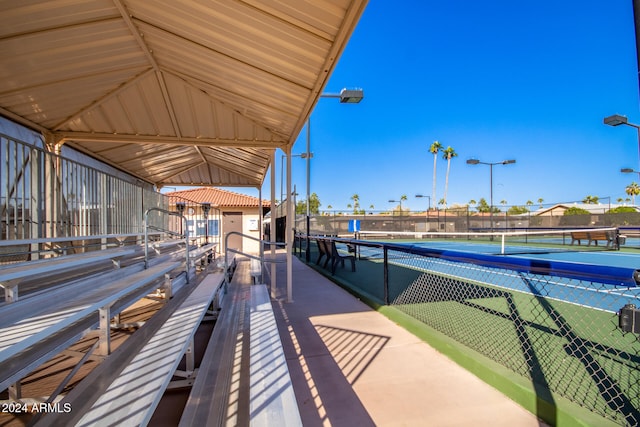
{"x":508,"y":242}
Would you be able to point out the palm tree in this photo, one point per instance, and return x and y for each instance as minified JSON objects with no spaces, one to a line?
{"x":449,"y":153}
{"x":540,"y":200}
{"x":632,"y":190}
{"x":434,"y":149}
{"x":591,"y":200}
{"x":529,"y":204}
{"x":356,"y":202}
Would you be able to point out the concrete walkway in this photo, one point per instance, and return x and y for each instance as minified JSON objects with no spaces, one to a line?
{"x":352,"y":366}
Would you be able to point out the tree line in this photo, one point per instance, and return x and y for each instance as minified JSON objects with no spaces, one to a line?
{"x":482,"y":206}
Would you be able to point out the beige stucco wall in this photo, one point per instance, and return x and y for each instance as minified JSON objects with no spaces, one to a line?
{"x":250,"y":227}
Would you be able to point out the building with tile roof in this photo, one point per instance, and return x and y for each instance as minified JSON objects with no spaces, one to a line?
{"x":219,"y":197}
{"x":229,"y":211}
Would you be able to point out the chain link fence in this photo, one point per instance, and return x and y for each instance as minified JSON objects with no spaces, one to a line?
{"x":556,"y":326}
{"x":469,"y":219}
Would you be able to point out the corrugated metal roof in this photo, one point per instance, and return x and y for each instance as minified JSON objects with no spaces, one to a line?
{"x":217,"y":197}
{"x":175,"y":92}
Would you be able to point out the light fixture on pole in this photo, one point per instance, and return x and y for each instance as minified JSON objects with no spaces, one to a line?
{"x":397,"y":201}
{"x":180,"y":207}
{"x":491,"y":164}
{"x":426,"y":225}
{"x":302,"y":156}
{"x":206,"y":207}
{"x":617,"y":120}
{"x":428,"y":197}
{"x":629,"y":170}
{"x":346,"y":96}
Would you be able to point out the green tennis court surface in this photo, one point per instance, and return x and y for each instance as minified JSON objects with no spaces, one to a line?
{"x":560,"y":333}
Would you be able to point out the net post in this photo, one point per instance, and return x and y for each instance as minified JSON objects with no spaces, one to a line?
{"x":502,"y":244}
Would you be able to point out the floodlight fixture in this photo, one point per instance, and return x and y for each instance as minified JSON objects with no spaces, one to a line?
{"x":628,"y":170}
{"x":346,"y":96}
{"x":351,"y":96}
{"x":615,"y":120}
{"x":491,"y":165}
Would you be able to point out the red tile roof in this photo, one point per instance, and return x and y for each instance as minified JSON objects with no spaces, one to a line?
{"x":217,"y":197}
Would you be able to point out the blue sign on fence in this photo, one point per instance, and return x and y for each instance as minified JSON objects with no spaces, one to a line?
{"x":354,"y":225}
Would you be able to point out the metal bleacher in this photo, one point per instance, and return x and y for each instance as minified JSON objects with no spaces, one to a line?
{"x":79,"y":297}
{"x":83,"y":297}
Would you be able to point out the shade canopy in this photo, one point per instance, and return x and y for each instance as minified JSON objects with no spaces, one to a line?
{"x":174,"y":92}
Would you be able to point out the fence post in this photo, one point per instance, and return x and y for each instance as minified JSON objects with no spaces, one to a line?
{"x":385,"y":268}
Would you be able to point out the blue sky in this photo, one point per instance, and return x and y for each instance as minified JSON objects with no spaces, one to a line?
{"x":495,"y":80}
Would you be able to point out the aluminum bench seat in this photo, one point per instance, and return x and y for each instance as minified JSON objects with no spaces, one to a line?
{"x":217,"y":394}
{"x":30,"y":341}
{"x":127,"y":387}
{"x":11,"y":275}
{"x":203,"y":251}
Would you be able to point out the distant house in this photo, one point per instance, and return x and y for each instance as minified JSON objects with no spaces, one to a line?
{"x":559,"y":209}
{"x":230,"y":211}
{"x":552,"y":216}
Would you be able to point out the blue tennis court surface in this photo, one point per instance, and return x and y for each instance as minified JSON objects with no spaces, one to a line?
{"x":602,"y":280}
{"x":570,"y":254}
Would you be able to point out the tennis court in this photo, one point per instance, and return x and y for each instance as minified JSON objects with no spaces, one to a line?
{"x":603,"y":275}
{"x":597,"y":256}
{"x":548,"y":312}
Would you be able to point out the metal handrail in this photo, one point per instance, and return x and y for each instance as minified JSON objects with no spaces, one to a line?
{"x":146,"y":236}
{"x":36,"y":251}
{"x":116,"y":236}
{"x":260,"y":258}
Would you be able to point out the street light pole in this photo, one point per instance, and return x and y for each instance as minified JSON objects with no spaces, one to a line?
{"x":426,"y":224}
{"x":397,"y":201}
{"x":346,"y":96}
{"x":307,"y":252}
{"x":617,"y":120}
{"x":428,"y":197}
{"x":302,"y":156}
{"x":628,"y":170}
{"x":491,"y":164}
{"x":491,"y":196}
